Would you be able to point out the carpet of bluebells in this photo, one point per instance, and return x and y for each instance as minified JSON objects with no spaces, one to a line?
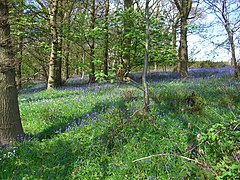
{"x":99,"y":131}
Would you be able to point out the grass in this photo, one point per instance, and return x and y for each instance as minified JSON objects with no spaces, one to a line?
{"x":100,"y":131}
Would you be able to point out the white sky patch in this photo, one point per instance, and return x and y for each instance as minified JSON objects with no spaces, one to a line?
{"x":202,"y":49}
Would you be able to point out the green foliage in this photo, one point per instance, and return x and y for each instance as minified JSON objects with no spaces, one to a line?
{"x":207,"y":64}
{"x":221,"y":147}
{"x":97,"y":132}
{"x":129,"y":94}
{"x":196,"y":106}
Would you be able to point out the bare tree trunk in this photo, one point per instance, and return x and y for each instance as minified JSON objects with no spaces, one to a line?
{"x":68,"y":44}
{"x":66,"y":62}
{"x":144,"y":81}
{"x":106,"y":38}
{"x":54,"y":45}
{"x":233,"y":53}
{"x":58,"y":69}
{"x":92,"y":77}
{"x":183,"y":56}
{"x":231,"y":41}
{"x":184,"y":7}
{"x":10,"y":122}
{"x":174,"y":44}
{"x":128,"y":7}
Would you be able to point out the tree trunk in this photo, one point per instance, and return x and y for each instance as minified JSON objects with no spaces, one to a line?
{"x":66,"y":62}
{"x":184,"y":7}
{"x":183,"y":56}
{"x":68,"y":44}
{"x":60,"y":45}
{"x":234,"y":60}
{"x":106,"y":38}
{"x":174,"y":44}
{"x":10,"y":122}
{"x":54,"y":45}
{"x":232,"y":45}
{"x":144,"y":81}
{"x":92,"y":77}
{"x":128,"y":8}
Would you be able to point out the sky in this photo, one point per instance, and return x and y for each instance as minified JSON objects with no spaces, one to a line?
{"x":203,"y":50}
{"x":204,"y":46}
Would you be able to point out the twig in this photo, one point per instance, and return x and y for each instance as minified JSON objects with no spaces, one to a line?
{"x":190,"y":150}
{"x":236,"y":127}
{"x":183,"y":157}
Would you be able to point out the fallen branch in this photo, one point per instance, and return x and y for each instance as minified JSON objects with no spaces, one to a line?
{"x":183,"y":157}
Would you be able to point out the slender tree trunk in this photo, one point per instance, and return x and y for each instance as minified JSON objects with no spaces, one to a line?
{"x":66,"y":62}
{"x":54,"y":45}
{"x":68,"y":44}
{"x":174,"y":44}
{"x":144,"y":81}
{"x":232,"y":46}
{"x":10,"y":122}
{"x":128,"y":7}
{"x":43,"y":70}
{"x":233,"y":53}
{"x":106,"y":38}
{"x":92,"y":77}
{"x":58,"y":69}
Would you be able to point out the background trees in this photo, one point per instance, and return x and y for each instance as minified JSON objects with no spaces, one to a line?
{"x":101,"y":39}
{"x":227,"y":13}
{"x":94,"y":37}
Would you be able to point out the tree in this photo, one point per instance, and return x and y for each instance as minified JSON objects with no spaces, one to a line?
{"x":19,"y":39}
{"x":10,"y":122}
{"x":145,"y":86}
{"x":127,"y":25}
{"x":184,"y":7}
{"x":68,"y":9}
{"x":173,"y":19}
{"x":92,"y":77}
{"x":53,"y":8}
{"x":227,"y":11}
{"x":106,"y":37}
{"x":58,"y":69}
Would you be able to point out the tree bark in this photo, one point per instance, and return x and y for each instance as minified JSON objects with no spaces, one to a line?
{"x":174,"y":44}
{"x":66,"y":62}
{"x":58,"y":70}
{"x":184,"y":7}
{"x":19,"y":67}
{"x":54,"y":45}
{"x":144,"y":81}
{"x":92,"y":77}
{"x":230,"y":39}
{"x":68,"y":44}
{"x":10,"y":122}
{"x":233,"y":53}
{"x":183,"y":56}
{"x":128,"y":8}
{"x":106,"y":38}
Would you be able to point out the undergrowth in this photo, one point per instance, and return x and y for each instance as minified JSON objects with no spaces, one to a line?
{"x":101,"y":132}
